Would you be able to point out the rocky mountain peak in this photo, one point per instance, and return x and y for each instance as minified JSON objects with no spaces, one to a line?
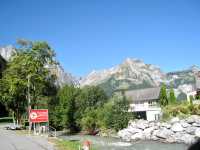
{"x":7,"y":51}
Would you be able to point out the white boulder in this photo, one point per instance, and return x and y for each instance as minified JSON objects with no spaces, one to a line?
{"x":197,"y":132}
{"x":177,"y":127}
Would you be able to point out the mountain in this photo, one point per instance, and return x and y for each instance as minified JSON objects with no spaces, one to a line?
{"x":7,"y":51}
{"x":62,"y":76}
{"x":135,"y":74}
{"x":131,"y":74}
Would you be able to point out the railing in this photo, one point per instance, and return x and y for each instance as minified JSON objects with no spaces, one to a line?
{"x":51,"y":131}
{"x":144,"y":107}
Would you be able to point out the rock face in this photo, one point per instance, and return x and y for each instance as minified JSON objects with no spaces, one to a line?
{"x":173,"y":131}
{"x":7,"y":51}
{"x":63,"y":78}
{"x":135,"y":74}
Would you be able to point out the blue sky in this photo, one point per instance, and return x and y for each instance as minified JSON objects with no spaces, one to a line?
{"x":98,"y":34}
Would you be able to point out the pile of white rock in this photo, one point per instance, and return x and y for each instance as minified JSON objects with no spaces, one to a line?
{"x":174,"y":131}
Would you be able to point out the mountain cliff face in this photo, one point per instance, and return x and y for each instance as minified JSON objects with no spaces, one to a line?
{"x":135,"y":74}
{"x":63,"y":78}
{"x":7,"y":51}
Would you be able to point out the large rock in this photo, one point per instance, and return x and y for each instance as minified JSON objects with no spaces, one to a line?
{"x":190,"y":130}
{"x":166,"y":125}
{"x":187,"y":138}
{"x":134,"y":130}
{"x":197,"y":132}
{"x":164,"y":133}
{"x":181,"y":137}
{"x":193,"y":119}
{"x":177,"y":127}
{"x":138,"y":136}
{"x":174,"y":120}
{"x":185,"y":124}
{"x":142,"y":124}
{"x":125,"y":135}
{"x":196,"y":124}
{"x":148,"y":132}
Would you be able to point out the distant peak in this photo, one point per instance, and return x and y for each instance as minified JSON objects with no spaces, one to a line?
{"x":194,"y":68}
{"x":132,"y":60}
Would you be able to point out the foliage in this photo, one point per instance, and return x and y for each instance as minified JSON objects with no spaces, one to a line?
{"x":89,"y":121}
{"x":114,"y":114}
{"x":191,"y":99}
{"x":63,"y":112}
{"x":89,"y":98}
{"x":163,"y":96}
{"x":181,"y":110}
{"x":172,"y":97}
{"x":29,"y":62}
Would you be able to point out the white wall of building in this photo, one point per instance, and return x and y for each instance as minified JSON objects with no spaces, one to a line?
{"x":153,"y":114}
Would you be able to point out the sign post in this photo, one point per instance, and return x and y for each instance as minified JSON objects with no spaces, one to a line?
{"x":38,"y":116}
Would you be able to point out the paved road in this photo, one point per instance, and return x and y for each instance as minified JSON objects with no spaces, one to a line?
{"x":9,"y":140}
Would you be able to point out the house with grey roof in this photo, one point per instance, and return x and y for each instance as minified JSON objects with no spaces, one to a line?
{"x":144,"y":102}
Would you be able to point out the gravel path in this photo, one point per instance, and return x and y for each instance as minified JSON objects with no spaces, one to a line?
{"x":9,"y":140}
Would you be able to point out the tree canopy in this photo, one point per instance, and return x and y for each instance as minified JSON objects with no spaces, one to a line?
{"x":163,"y":96}
{"x":29,"y":63}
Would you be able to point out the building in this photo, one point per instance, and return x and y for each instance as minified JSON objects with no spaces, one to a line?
{"x":144,"y":102}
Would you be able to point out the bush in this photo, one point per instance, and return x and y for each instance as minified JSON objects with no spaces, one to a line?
{"x":89,"y":122}
{"x":114,"y":114}
{"x":180,"y":110}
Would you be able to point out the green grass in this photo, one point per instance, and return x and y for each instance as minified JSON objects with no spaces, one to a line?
{"x":67,"y":145}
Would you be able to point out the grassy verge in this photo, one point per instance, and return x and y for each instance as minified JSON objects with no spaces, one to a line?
{"x":66,"y":145}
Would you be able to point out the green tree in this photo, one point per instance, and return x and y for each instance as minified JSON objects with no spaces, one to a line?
{"x":163,"y":96}
{"x":191,"y":99}
{"x":89,"y":99}
{"x":29,"y":62}
{"x":172,"y":97}
{"x":114,"y":114}
{"x":63,"y":114}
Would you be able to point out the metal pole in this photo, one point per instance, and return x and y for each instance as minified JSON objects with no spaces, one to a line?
{"x":29,"y":104}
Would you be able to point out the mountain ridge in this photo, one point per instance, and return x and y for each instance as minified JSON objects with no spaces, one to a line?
{"x":135,"y":74}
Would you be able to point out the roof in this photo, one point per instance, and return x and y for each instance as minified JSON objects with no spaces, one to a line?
{"x":143,"y":94}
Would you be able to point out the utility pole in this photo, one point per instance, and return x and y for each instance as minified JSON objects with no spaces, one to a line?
{"x":29,"y":104}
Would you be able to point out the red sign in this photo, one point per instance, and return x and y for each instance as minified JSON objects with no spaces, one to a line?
{"x":39,"y":115}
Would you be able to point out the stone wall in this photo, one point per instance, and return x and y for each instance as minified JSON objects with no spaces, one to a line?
{"x":174,"y":131}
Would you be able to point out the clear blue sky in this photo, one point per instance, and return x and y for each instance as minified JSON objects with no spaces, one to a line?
{"x":97,"y":34}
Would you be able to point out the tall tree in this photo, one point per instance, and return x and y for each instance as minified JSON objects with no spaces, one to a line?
{"x":27,"y":68}
{"x":63,"y":115}
{"x":163,"y":96}
{"x":89,"y":99}
{"x":115,"y":113}
{"x":172,"y":97}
